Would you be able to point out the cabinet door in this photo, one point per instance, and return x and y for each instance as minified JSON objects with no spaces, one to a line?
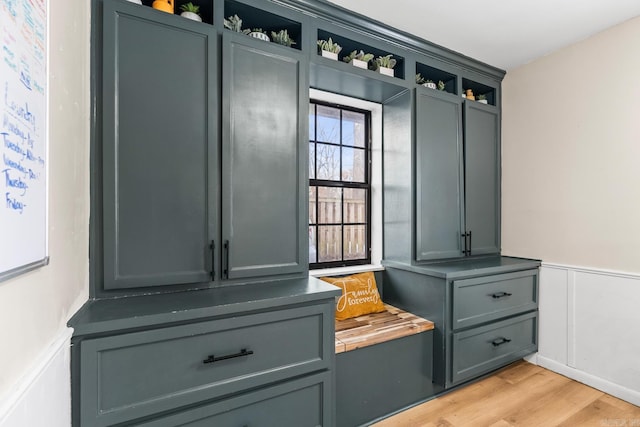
{"x":158,"y":142}
{"x":482,"y":185}
{"x":265,"y":97}
{"x":439,"y":175}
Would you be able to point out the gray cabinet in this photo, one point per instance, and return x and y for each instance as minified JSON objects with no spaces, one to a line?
{"x":485,"y":311}
{"x":158,"y":139}
{"x":457,"y":177}
{"x":265,"y":97}
{"x":207,"y":357}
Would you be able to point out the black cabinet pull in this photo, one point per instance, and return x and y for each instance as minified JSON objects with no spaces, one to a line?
{"x":499,"y":295}
{"x":226,"y":259}
{"x":211,"y":358}
{"x":464,"y":236}
{"x":499,"y":341}
{"x":212,"y":246}
{"x":469,"y":250}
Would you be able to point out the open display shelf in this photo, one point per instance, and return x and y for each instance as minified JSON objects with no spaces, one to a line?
{"x":436,"y":75}
{"x":349,"y":45}
{"x":253,"y":17}
{"x":206,"y":8}
{"x":480,"y":89}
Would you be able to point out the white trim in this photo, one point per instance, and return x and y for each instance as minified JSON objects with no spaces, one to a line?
{"x":592,"y":270}
{"x":340,"y":271}
{"x":571,"y":318}
{"x":21,"y":389}
{"x":632,"y":396}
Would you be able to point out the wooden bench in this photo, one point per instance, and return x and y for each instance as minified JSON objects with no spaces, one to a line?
{"x":384,"y":363}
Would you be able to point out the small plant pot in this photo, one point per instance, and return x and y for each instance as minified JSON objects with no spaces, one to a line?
{"x":358,"y":63}
{"x":483,"y":101}
{"x":430,"y":85}
{"x":192,"y":16}
{"x":330,"y":55}
{"x":260,"y":36}
{"x":386,"y":71}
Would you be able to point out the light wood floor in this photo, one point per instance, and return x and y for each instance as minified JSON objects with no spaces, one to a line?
{"x":521,"y":394}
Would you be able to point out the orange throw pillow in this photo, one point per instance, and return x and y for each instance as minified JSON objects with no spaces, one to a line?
{"x":359,"y":295}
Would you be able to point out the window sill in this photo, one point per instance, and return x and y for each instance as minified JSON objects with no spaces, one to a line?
{"x":340,"y":271}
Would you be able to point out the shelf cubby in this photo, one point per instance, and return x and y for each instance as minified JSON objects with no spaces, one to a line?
{"x":206,"y":8}
{"x":431,"y":73}
{"x":253,"y":17}
{"x":479,"y":89}
{"x":349,"y":45}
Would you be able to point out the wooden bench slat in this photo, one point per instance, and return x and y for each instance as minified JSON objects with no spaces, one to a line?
{"x":376,"y":328}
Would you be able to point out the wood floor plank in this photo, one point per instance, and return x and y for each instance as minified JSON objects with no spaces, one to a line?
{"x":520,"y":395}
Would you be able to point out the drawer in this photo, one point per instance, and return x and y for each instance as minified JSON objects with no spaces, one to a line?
{"x":482,"y":349}
{"x":139,"y":374}
{"x":300,"y":403}
{"x":484,"y":299}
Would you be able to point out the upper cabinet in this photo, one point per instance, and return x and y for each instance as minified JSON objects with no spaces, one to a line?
{"x":264,"y":128}
{"x":158,"y":144}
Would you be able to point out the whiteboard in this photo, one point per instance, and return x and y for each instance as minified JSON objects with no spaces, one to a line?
{"x":23,"y":136}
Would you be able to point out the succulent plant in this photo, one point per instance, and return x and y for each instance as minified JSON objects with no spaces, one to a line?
{"x":481,"y":97}
{"x":329,"y":46}
{"x":234,"y":23}
{"x":385,"y":61}
{"x":360,"y":56}
{"x":190,"y":7}
{"x":441,"y":85}
{"x":419,"y":79}
{"x":282,"y":37}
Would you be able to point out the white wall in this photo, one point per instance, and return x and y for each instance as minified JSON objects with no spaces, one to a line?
{"x":571,"y":197}
{"x":35,"y":307}
{"x":571,"y":152}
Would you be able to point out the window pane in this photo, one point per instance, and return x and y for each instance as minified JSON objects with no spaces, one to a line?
{"x":355,"y":205}
{"x":312,"y":205}
{"x":329,"y":243}
{"x":329,"y":205}
{"x":353,"y":128}
{"x":328,"y":162}
{"x":312,"y":122}
{"x":328,"y":124}
{"x":313,"y":255}
{"x":355,"y":242}
{"x":353,"y":164}
{"x":312,"y":161}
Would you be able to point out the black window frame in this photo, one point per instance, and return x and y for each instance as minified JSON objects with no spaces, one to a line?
{"x":366,"y":185}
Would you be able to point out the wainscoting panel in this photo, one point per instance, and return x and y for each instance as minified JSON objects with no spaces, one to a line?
{"x":590,"y":328}
{"x":43,"y":397}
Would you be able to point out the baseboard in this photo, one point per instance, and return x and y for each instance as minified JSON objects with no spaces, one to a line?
{"x":624,"y":393}
{"x":43,"y":396}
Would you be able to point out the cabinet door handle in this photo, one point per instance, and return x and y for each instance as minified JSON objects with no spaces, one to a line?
{"x":499,"y":341}
{"x":499,"y":295}
{"x":211,"y":358}
{"x":464,"y":236}
{"x":212,"y":246}
{"x":226,"y":259}
{"x":469,"y":250}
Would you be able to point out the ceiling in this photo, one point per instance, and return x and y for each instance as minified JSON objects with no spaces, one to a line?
{"x":502,"y":33}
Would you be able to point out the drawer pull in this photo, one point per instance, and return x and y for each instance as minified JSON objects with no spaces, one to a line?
{"x":499,"y":341}
{"x":499,"y":295}
{"x":212,"y":358}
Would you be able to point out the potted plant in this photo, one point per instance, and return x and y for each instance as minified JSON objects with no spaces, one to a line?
{"x":385,"y":64}
{"x":419,"y":79}
{"x":329,"y":49}
{"x":257,"y":33}
{"x":482,"y":98}
{"x":191,"y":11}
{"x":441,"y":85}
{"x":429,"y":83}
{"x":233,"y":23}
{"x":359,"y":59}
{"x":282,"y":37}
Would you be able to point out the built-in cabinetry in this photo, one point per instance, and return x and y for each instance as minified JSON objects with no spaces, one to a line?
{"x":485,"y":311}
{"x":227,"y":356}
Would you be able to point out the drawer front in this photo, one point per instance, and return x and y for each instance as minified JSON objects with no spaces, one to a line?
{"x":479,"y":350}
{"x":139,"y":374}
{"x":302,"y":403}
{"x":484,"y":299}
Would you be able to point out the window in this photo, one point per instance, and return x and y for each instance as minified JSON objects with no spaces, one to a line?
{"x":339,"y":186}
